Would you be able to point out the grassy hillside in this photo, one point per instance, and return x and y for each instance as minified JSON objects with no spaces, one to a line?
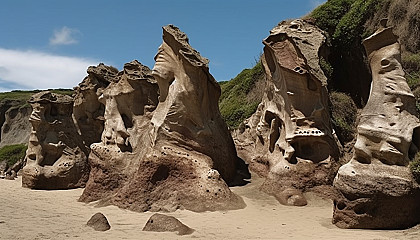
{"x":348,"y":22}
{"x":12,"y":153}
{"x":236,"y":102}
{"x":23,"y":96}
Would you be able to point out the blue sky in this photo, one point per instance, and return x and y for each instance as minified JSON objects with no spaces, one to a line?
{"x":50,"y":43}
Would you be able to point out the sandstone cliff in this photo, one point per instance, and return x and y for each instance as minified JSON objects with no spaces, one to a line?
{"x":14,"y":122}
{"x":56,"y":157}
{"x":167,"y":152}
{"x":377,"y":187}
{"x":289,"y":139}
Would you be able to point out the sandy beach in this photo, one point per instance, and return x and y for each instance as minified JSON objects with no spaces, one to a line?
{"x":39,"y":214}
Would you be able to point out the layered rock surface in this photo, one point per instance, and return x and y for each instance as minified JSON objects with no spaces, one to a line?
{"x":289,"y":139}
{"x":56,"y":157}
{"x":63,"y":128}
{"x":163,"y":223}
{"x":178,"y":155}
{"x":16,"y":127}
{"x":88,"y":111}
{"x":377,"y":187}
{"x":128,"y":105}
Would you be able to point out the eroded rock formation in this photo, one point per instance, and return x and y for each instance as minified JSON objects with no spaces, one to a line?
{"x":179,"y":155}
{"x":56,"y":156}
{"x":378,"y":190}
{"x":16,"y":127}
{"x":88,"y":111}
{"x":290,"y":139}
{"x":128,"y":103}
{"x":99,"y":222}
{"x":163,"y":223}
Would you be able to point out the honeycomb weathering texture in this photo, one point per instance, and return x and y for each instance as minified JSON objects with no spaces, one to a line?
{"x":167,"y":152}
{"x":56,"y":157}
{"x":290,"y":138}
{"x":377,"y":188}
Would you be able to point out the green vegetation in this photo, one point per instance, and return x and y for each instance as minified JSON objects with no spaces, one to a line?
{"x":24,"y":96}
{"x":326,"y":68}
{"x":344,"y":19}
{"x":16,"y":95}
{"x":233,"y":103}
{"x":328,"y":15}
{"x":413,"y":79}
{"x":62,"y":91}
{"x":351,"y":25}
{"x":343,"y":112}
{"x":411,"y":64}
{"x":415,"y":167}
{"x":12,"y":153}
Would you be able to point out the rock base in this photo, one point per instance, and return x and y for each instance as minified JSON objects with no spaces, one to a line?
{"x":376,"y":196}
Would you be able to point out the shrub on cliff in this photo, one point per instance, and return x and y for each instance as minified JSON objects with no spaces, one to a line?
{"x":13,"y":153}
{"x":415,"y":167}
{"x":234,"y":104}
{"x":343,"y":113}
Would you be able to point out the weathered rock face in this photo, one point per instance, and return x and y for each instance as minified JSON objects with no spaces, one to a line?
{"x":378,"y":190}
{"x":14,"y":122}
{"x":179,"y":155}
{"x":16,"y":127}
{"x":56,"y":156}
{"x":163,"y":223}
{"x":88,"y":111}
{"x":99,"y":222}
{"x":290,"y":139}
{"x":129,"y":103}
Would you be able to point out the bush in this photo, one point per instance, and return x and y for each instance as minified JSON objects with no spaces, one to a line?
{"x":233,"y":103}
{"x":413,"y":79}
{"x":328,"y":15}
{"x":416,"y":93}
{"x":12,"y":153}
{"x":411,"y":61}
{"x":350,"y":28}
{"x":343,"y":112}
{"x":326,"y":68}
{"x":415,"y":167}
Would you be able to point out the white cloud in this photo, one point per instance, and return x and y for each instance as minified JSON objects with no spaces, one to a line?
{"x":38,"y":70}
{"x":64,"y":36}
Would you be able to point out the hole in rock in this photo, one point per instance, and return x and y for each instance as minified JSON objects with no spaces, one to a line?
{"x":269,"y":116}
{"x":293,"y":160}
{"x":313,"y":150}
{"x":126,"y":148}
{"x":6,"y":128}
{"x":127,"y":121}
{"x":311,"y":83}
{"x":341,"y":205}
{"x":13,"y":113}
{"x":385,"y":62}
{"x":53,"y":111}
{"x":161,"y":174}
{"x":359,"y":210}
{"x":270,"y":60}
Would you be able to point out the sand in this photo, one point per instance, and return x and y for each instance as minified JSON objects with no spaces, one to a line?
{"x":38,"y":214}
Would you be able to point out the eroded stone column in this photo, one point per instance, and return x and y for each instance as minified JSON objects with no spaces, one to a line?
{"x":56,"y":157}
{"x":290,"y":139}
{"x":377,"y":187}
